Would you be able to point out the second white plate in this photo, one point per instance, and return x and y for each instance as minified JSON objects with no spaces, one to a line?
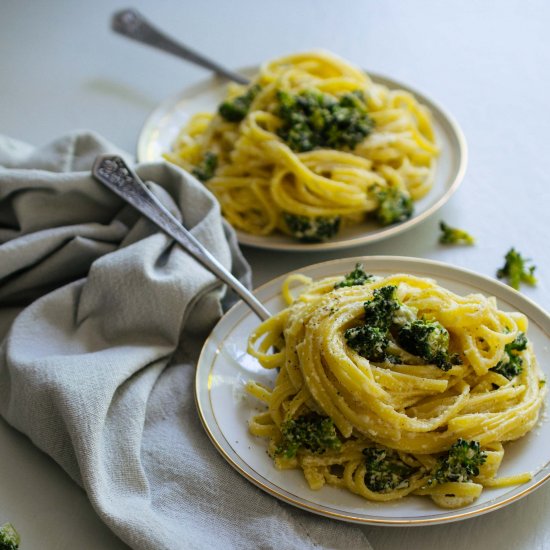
{"x":225,"y":408}
{"x":165,"y":122}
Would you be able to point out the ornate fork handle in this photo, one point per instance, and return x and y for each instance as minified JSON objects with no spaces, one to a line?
{"x":112,"y":171}
{"x":132,"y":24}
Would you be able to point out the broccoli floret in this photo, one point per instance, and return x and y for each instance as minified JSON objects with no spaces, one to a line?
{"x":394,"y":205}
{"x":312,"y":120}
{"x":511,"y":363}
{"x":9,"y":537}
{"x":367,"y":341}
{"x":380,"y":310}
{"x":235,"y":110}
{"x":371,"y":339}
{"x":516,"y":270}
{"x":385,"y":470}
{"x":311,"y":230}
{"x":206,"y":169}
{"x":311,"y":431}
{"x":427,"y":339}
{"x":355,"y":278}
{"x":461,"y":463}
{"x":453,"y":235}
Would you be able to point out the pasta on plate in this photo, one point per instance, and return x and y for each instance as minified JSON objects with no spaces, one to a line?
{"x":395,"y":386}
{"x":312,"y":144}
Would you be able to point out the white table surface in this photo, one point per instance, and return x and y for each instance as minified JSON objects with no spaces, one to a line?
{"x":487,"y":62}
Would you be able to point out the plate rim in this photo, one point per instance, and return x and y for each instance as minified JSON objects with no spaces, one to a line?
{"x":542,"y":319}
{"x":369,"y":238}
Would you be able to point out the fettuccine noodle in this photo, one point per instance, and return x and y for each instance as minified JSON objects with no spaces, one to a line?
{"x":409,"y":406}
{"x":259,"y":178}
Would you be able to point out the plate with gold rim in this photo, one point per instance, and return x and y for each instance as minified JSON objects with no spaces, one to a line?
{"x":224,"y":407}
{"x":165,"y":122}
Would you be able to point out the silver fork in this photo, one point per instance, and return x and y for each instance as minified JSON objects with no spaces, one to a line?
{"x":132,"y":24}
{"x":112,"y":171}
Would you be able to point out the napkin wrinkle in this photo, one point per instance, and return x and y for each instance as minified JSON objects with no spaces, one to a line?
{"x":74,"y":152}
{"x":97,"y":362}
{"x":58,"y":256}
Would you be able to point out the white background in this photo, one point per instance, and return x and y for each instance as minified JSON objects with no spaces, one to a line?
{"x":487,"y":62}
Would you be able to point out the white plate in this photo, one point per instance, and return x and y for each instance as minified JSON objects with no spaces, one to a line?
{"x":224,"y":408}
{"x":165,"y":122}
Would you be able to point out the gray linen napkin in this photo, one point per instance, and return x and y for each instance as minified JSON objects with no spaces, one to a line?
{"x":101,"y":322}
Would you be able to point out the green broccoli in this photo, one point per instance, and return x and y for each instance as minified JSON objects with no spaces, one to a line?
{"x":516,"y":270}
{"x":394,"y":205}
{"x":511,"y":363}
{"x":428,"y":340}
{"x":311,"y":230}
{"x":461,"y":463}
{"x":371,"y":339}
{"x":235,"y":110}
{"x":206,"y":169}
{"x":379,"y":311}
{"x":368,"y":341}
{"x":385,"y":470}
{"x":312,"y":120}
{"x":453,"y":235}
{"x":9,"y":537}
{"x":355,"y":278}
{"x":311,"y":431}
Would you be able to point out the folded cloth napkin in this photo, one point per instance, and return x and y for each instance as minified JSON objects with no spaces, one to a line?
{"x":101,"y":321}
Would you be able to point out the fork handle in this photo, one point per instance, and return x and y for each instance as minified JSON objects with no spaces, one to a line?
{"x":132,"y":24}
{"x":112,"y":171}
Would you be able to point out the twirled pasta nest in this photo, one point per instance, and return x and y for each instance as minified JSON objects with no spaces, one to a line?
{"x":268,"y":177}
{"x":398,"y":419}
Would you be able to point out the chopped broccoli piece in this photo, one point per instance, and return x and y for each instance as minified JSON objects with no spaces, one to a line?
{"x":516,"y":270}
{"x":461,"y":463}
{"x":385,"y":470}
{"x":427,"y":339}
{"x":235,"y":110}
{"x":311,"y":431}
{"x":311,"y":120}
{"x":380,"y":310}
{"x":311,"y":230}
{"x":453,"y":235}
{"x":519,"y":343}
{"x":394,"y":206}
{"x":9,"y":537}
{"x":511,"y":363}
{"x":371,"y":339}
{"x":368,"y":341}
{"x":206,"y":169}
{"x":355,"y":278}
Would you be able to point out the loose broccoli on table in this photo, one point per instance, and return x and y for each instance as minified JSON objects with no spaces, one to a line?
{"x":206,"y":169}
{"x":511,"y":363}
{"x":385,"y":470}
{"x":234,"y":110}
{"x":453,"y":235}
{"x":516,"y":270}
{"x":461,"y":463}
{"x":9,"y":537}
{"x":394,"y":205}
{"x":312,"y":120}
{"x":311,"y":431}
{"x":355,"y":278}
{"x":311,"y":230}
{"x":428,"y":340}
